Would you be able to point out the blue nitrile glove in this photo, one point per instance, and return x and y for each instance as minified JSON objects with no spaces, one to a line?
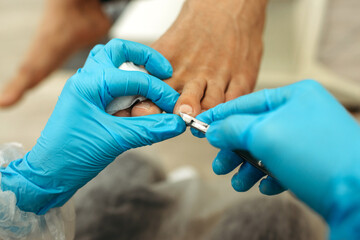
{"x":80,"y":139}
{"x":303,"y":136}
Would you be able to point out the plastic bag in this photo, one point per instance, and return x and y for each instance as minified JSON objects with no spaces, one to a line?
{"x":57,"y":224}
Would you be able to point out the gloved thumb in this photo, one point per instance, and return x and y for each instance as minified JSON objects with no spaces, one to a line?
{"x":233,"y":132}
{"x":147,"y":130}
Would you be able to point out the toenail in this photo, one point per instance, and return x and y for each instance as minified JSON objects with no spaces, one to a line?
{"x":186,"y":109}
{"x":143,"y":105}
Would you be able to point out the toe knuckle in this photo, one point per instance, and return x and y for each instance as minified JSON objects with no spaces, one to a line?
{"x":197,"y":84}
{"x":216,"y":83}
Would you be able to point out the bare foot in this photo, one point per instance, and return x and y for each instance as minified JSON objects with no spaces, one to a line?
{"x":66,"y":26}
{"x":215,"y":48}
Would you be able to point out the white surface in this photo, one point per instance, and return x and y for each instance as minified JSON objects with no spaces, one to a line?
{"x":146,"y":20}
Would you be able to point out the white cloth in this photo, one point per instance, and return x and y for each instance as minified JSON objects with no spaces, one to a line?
{"x":121,"y":103}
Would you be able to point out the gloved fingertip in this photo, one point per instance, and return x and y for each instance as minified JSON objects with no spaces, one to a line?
{"x":197,"y":133}
{"x":240,"y":184}
{"x":269,"y":186}
{"x":225,"y":162}
{"x":162,"y":126}
{"x":96,"y":49}
{"x":180,"y":124}
{"x":169,"y":71}
{"x":218,"y":167}
{"x":160,"y":67}
{"x":213,"y":128}
{"x":213,"y":135}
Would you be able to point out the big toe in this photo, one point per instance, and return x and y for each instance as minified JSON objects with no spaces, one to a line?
{"x":145,"y":108}
{"x":189,"y":100}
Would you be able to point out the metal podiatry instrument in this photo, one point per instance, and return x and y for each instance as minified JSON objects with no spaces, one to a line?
{"x":203,"y":127}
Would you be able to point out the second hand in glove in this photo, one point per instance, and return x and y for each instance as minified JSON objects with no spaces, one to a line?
{"x":203,"y":127}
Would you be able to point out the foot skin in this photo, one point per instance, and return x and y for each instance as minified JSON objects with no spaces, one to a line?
{"x":141,"y":109}
{"x":67,"y":25}
{"x":215,"y":48}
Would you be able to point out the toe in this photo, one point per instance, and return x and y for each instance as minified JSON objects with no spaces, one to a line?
{"x":189,"y":101}
{"x":238,"y":87}
{"x":145,"y":108}
{"x":123,"y":113}
{"x":214,"y":95}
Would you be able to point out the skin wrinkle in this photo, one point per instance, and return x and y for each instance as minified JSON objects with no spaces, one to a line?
{"x":203,"y":94}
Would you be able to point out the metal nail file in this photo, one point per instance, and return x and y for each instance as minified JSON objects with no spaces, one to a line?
{"x":203,"y":127}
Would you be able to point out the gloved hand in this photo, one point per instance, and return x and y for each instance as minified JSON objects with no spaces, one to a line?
{"x":80,"y":139}
{"x":303,"y":136}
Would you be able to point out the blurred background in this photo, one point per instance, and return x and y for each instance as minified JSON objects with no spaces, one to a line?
{"x":303,"y":39}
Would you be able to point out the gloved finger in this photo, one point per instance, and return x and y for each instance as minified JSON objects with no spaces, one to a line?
{"x":270,"y":186}
{"x":118,"y":51}
{"x":96,"y":49}
{"x":146,"y":130}
{"x":225,"y":162}
{"x":246,"y":177}
{"x":126,"y":83}
{"x":197,"y":133}
{"x":232,"y":133}
{"x":93,"y":52}
{"x":254,"y":103}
